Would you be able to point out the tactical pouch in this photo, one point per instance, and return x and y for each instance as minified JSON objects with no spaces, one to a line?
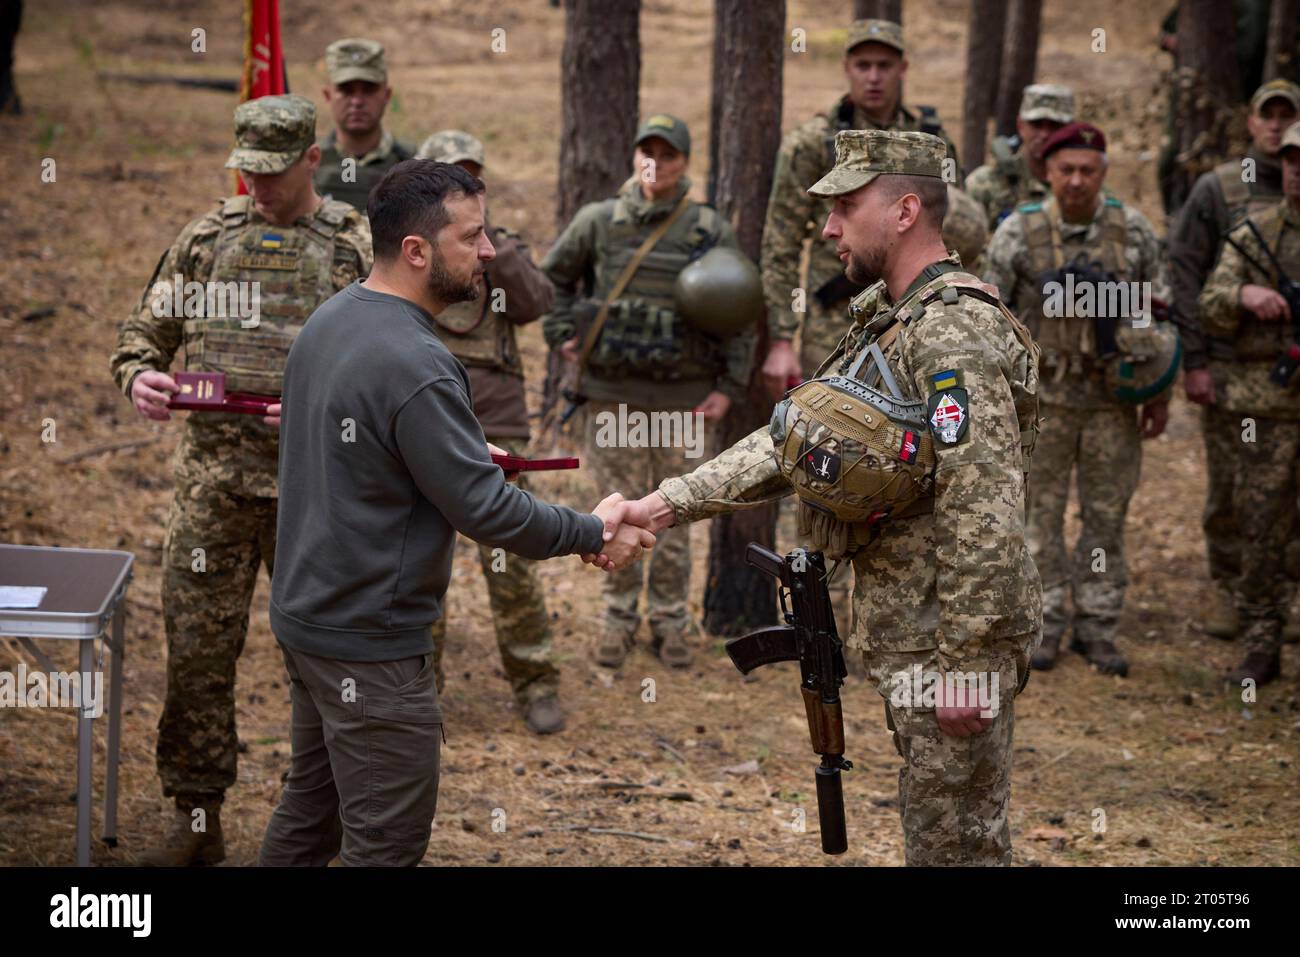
{"x":640,"y":339}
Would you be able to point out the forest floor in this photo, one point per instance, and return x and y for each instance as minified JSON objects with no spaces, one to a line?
{"x":715,"y":770}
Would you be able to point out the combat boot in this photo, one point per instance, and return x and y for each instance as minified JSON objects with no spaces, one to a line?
{"x":545,"y":716}
{"x":1221,"y":616}
{"x":674,"y":651}
{"x":1044,"y":658}
{"x":1259,"y":666}
{"x":182,"y":845}
{"x":611,"y":648}
{"x":1102,"y":655}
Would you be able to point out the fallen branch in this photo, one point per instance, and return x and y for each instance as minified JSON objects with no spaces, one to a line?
{"x":107,"y":447}
{"x":614,"y":832}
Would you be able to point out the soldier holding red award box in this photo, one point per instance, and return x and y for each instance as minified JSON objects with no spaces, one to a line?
{"x":284,"y":251}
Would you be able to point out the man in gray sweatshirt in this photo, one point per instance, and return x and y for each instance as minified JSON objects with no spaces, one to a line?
{"x":382,"y":462}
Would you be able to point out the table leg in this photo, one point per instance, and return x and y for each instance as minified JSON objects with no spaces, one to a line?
{"x":85,"y":740}
{"x":114,"y":746}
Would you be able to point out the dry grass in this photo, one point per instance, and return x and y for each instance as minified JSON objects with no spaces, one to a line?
{"x":1183,"y":775}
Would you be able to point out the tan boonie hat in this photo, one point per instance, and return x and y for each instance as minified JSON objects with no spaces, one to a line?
{"x":271,"y":132}
{"x":1047,"y":101}
{"x":875,"y":31}
{"x":355,"y":59}
{"x":1290,"y":138}
{"x":668,"y":128}
{"x":1276,"y":89}
{"x":452,"y":146}
{"x":862,"y":155}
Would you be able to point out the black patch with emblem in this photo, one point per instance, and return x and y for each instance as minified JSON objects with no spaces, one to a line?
{"x":820,"y":463}
{"x":948,"y":415}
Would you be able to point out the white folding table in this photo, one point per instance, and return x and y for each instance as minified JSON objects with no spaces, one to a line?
{"x":85,"y":600}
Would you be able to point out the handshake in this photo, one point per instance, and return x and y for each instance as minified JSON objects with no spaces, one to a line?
{"x":630,"y":528}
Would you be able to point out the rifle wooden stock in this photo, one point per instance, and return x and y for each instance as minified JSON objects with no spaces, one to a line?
{"x":825,"y":722}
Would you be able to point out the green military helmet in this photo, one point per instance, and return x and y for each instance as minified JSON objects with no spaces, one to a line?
{"x":720,"y":293}
{"x":1147,"y":363}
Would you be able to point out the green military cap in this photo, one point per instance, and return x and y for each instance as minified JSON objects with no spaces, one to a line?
{"x":355,"y":59}
{"x":668,"y":128}
{"x":452,"y":146}
{"x":875,"y":31}
{"x":271,"y":132}
{"x":1276,"y":90}
{"x":1291,"y":138}
{"x":862,"y":155}
{"x":1047,"y":101}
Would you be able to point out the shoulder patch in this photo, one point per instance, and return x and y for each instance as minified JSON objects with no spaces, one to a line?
{"x":1034,"y":207}
{"x":1112,"y":201}
{"x":948,"y":413}
{"x":946,"y":379}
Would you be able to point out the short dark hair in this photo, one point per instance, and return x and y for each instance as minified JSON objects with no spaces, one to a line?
{"x":932,"y":191}
{"x":411,"y":199}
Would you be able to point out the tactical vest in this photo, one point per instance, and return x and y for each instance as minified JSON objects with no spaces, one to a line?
{"x":856,"y":446}
{"x":643,"y":334}
{"x":1255,"y":340}
{"x":1237,"y":195}
{"x":1068,"y":342}
{"x":480,"y":335}
{"x":292,"y":266}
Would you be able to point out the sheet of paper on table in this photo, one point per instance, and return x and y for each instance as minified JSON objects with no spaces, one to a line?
{"x":22,"y":596}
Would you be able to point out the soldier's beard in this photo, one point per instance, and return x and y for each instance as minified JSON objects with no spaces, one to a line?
{"x":865,"y":270}
{"x":446,"y":288}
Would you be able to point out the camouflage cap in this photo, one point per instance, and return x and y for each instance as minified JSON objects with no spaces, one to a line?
{"x":271,"y":132}
{"x":355,"y":59}
{"x":862,"y":155}
{"x":875,"y":31}
{"x":1047,"y":101}
{"x":1290,"y":138}
{"x":1274,"y":90}
{"x":452,"y":146}
{"x":668,"y":128}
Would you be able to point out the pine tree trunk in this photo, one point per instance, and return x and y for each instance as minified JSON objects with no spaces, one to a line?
{"x":1019,"y":61}
{"x":983,"y":65}
{"x":1278,"y":61}
{"x":1208,"y":86}
{"x":747,"y":82}
{"x":878,"y":10}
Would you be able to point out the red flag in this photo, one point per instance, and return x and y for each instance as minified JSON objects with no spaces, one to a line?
{"x":264,"y":70}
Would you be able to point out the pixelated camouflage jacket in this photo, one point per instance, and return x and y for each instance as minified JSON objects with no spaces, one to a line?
{"x":958,"y":582}
{"x":232,"y":452}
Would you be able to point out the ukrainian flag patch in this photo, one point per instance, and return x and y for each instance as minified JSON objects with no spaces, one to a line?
{"x":272,"y":240}
{"x":944,"y":380}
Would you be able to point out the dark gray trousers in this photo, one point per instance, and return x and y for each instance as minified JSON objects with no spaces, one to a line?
{"x":363,"y":779}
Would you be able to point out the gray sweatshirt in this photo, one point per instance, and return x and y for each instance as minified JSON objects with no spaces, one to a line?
{"x":381,"y":463}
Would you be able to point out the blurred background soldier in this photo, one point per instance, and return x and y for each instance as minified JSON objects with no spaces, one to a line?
{"x":481,"y":334}
{"x":1017,"y":174}
{"x":1220,"y":199}
{"x":301,"y":250}
{"x":357,"y":153}
{"x":1242,"y":303}
{"x":617,"y":316}
{"x":1086,"y":426}
{"x":874,"y":63}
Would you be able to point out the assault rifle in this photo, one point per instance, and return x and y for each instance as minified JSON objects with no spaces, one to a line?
{"x":808,"y":637}
{"x":1085,"y":271}
{"x":1289,"y":361}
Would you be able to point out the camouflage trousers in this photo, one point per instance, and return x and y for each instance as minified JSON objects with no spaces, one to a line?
{"x":519,"y":615}
{"x":635,"y":471}
{"x":1103,"y":448}
{"x":1263,"y":502}
{"x":215,"y":543}
{"x":954,"y":793}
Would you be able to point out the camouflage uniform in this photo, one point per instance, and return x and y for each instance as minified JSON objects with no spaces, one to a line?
{"x":1267,"y":419}
{"x":481,"y":334}
{"x":225,"y":465}
{"x":1006,"y":183}
{"x":1218,"y":199}
{"x":1084,"y":426}
{"x":646,"y":359}
{"x":950,"y":589}
{"x":347,"y":60}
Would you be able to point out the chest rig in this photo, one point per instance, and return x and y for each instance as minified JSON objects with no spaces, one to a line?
{"x":480,"y":335}
{"x":291,"y":266}
{"x":1069,"y":341}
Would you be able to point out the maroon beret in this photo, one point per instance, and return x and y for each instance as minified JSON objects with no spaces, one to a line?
{"x":1075,"y":136}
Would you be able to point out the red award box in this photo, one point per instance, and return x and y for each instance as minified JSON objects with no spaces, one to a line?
{"x":517,"y":463}
{"x":206,"y":392}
